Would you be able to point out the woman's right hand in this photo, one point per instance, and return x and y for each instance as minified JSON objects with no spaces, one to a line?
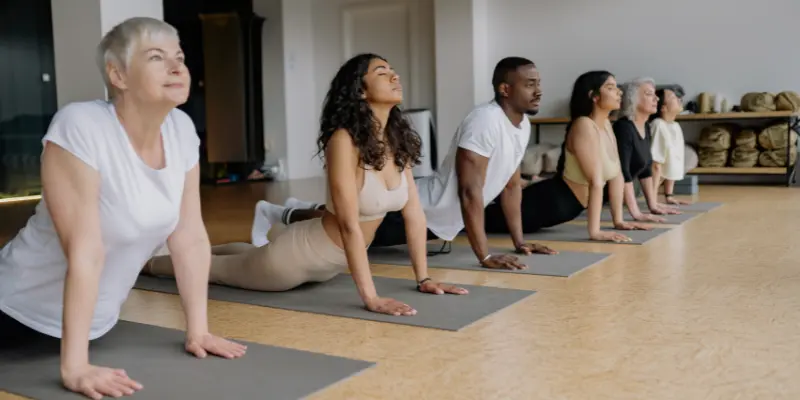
{"x":385,"y":305}
{"x":649,"y":218}
{"x":96,"y":382}
{"x":609,"y":236}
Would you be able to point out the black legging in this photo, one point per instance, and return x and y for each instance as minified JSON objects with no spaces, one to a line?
{"x":14,"y":336}
{"x":544,"y":204}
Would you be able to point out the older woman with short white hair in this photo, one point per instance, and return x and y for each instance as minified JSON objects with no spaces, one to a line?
{"x":632,"y":131}
{"x":119,"y":177}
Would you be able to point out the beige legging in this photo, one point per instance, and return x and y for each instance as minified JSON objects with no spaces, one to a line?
{"x":300,"y":253}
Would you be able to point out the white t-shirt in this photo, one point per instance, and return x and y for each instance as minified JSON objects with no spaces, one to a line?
{"x":667,"y":148}
{"x":139,"y":209}
{"x":488,"y":132}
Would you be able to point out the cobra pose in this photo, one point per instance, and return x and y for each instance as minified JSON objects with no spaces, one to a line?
{"x":369,"y":150}
{"x":668,"y":145}
{"x":120,"y":178}
{"x":632,"y":131}
{"x":479,"y":187}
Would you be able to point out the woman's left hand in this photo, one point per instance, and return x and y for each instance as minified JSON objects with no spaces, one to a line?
{"x":663,"y":209}
{"x":440,"y":288}
{"x":201,"y":345}
{"x":632,"y":226}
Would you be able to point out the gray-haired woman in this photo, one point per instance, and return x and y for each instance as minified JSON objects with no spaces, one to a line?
{"x":632,"y":130}
{"x":119,"y":177}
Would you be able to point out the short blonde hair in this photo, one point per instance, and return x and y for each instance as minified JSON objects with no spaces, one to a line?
{"x":117,"y":45}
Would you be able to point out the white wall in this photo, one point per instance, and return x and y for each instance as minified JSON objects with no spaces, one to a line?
{"x":729,"y":47}
{"x":78,"y":26}
{"x":273,"y":79}
{"x":302,"y":50}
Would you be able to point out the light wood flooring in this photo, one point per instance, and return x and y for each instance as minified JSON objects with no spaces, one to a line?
{"x":710,"y":310}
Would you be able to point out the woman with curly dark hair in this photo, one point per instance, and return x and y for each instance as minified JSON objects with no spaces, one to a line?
{"x":369,"y":150}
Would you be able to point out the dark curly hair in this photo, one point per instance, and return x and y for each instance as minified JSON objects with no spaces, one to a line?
{"x":344,"y":108}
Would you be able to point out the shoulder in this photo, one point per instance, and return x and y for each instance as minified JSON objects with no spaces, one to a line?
{"x":623,"y":126}
{"x":81,"y":128}
{"x":341,"y":142}
{"x":182,"y":123}
{"x":582,"y":126}
{"x":83,"y":115}
{"x":486,"y":114}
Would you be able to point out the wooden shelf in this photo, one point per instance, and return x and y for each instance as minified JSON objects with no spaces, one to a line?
{"x":738,"y":171}
{"x":692,"y":117}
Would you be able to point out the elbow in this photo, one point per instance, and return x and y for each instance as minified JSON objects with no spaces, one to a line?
{"x":349,"y":227}
{"x":85,"y":257}
{"x":470,"y":195}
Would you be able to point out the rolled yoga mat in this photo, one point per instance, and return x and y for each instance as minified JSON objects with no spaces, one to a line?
{"x":579,"y":233}
{"x":563,"y":264}
{"x":339,"y":297}
{"x":155,"y":357}
{"x":605,"y":216}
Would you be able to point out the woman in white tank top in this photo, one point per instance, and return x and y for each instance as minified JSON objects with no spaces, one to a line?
{"x":119,"y":179}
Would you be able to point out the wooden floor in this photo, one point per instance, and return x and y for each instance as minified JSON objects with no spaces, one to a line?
{"x":710,"y":310}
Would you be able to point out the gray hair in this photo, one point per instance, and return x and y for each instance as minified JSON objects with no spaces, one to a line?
{"x":630,"y":96}
{"x":118,"y":44}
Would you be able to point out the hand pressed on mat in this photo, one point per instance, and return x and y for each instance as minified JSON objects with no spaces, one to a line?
{"x":96,"y":382}
{"x":386,"y":305}
{"x":662,"y":209}
{"x":632,"y":226}
{"x":503,"y":261}
{"x":649,"y":218}
{"x":202,"y":344}
{"x":676,"y":201}
{"x":609,"y":236}
{"x":433,"y":287}
{"x":531,"y":248}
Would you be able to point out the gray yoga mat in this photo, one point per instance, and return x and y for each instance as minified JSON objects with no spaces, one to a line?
{"x":563,"y":264}
{"x":339,"y":297}
{"x":155,"y":357}
{"x":605,"y":216}
{"x":579,"y":233}
{"x":699,"y":207}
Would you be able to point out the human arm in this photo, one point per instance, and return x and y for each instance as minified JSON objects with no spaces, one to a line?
{"x":657,"y":172}
{"x":343,"y":163}
{"x":417,"y":239}
{"x":71,"y":189}
{"x":624,"y":132}
{"x":511,"y":204}
{"x":471,"y":174}
{"x":190,"y":251}
{"x":585,"y":145}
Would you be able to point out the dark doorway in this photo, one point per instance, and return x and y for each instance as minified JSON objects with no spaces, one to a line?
{"x":27,"y":92}
{"x":229,"y":122}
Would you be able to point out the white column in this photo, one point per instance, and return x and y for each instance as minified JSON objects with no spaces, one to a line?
{"x":78,"y":26}
{"x":462,"y":78}
{"x":302,"y":119}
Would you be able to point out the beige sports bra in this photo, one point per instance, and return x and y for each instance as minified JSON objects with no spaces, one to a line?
{"x":374,"y":199}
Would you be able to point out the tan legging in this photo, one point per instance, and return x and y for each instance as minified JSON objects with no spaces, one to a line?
{"x":300,"y":253}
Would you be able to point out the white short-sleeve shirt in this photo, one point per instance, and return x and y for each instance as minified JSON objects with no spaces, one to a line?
{"x":139,"y":209}
{"x":667,"y":148}
{"x":488,"y":132}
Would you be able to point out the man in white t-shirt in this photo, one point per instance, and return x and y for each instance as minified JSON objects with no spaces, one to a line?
{"x":483,"y":163}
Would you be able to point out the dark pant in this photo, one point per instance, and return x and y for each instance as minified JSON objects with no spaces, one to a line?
{"x":15,"y":336}
{"x":392,"y":231}
{"x":545,"y":204}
